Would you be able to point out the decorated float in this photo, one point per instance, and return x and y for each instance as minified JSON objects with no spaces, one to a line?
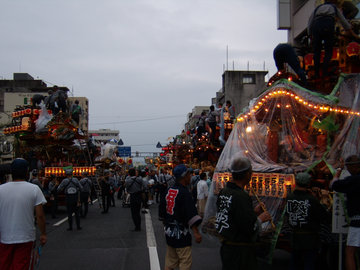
{"x":290,"y":129}
{"x":50,"y":143}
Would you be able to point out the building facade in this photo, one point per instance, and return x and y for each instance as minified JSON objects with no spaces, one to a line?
{"x":239,"y":87}
{"x":104,"y":135}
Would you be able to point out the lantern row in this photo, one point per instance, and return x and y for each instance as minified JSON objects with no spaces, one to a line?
{"x":15,"y":129}
{"x":27,"y":112}
{"x":77,"y":171}
{"x":265,"y":184}
{"x":299,"y":99}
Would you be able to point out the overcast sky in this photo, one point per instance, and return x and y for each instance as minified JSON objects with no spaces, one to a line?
{"x":137,"y":59}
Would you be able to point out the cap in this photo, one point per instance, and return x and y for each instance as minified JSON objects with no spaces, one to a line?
{"x":180,"y":171}
{"x":303,"y":179}
{"x":19,"y":164}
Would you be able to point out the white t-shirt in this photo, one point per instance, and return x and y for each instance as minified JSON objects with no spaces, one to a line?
{"x":202,"y":190}
{"x":17,"y":202}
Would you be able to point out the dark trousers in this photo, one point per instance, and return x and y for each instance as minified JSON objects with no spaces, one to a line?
{"x":238,"y":257}
{"x":162,"y":204}
{"x":323,"y":30}
{"x":145,"y":198}
{"x":120,"y":193}
{"x":212,"y":126}
{"x":84,"y":198}
{"x":72,"y":207}
{"x":284,"y":53}
{"x":135,"y":206}
{"x":54,"y":205}
{"x":106,"y":200}
{"x":112,"y":198}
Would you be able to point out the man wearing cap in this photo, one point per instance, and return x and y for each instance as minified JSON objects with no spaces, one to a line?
{"x":105,"y":191}
{"x":237,"y":221}
{"x":72,"y":188}
{"x":85,"y":193}
{"x":181,"y":215}
{"x":305,"y":214}
{"x":134,"y":186}
{"x":18,"y":200}
{"x":351,"y":187}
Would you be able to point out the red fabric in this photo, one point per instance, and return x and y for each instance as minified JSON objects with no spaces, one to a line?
{"x":15,"y":256}
{"x":272,"y":142}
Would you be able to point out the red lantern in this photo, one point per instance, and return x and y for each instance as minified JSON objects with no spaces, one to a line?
{"x":352,"y":49}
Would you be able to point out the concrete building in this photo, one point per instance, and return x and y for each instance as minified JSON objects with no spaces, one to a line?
{"x":104,"y":135}
{"x":84,"y":117}
{"x":293,"y":16}
{"x":240,"y":87}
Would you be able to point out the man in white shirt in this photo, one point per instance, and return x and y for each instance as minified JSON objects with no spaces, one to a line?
{"x":18,"y":200}
{"x":202,"y":194}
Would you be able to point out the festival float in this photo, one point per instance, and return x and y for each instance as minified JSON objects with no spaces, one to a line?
{"x":290,"y":129}
{"x":53,"y":140}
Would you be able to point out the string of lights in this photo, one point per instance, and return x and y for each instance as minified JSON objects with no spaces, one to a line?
{"x":301,"y":100}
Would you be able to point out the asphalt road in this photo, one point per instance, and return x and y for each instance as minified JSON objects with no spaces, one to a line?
{"x":106,"y":242}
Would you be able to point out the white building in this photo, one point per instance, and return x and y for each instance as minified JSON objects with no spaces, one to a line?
{"x":104,"y":135}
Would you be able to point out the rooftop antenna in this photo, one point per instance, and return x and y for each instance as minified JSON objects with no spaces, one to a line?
{"x":227,"y":57}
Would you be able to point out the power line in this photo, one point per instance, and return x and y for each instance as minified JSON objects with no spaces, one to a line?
{"x":139,"y":120}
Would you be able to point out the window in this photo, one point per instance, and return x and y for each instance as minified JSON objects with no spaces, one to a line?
{"x":248,"y":79}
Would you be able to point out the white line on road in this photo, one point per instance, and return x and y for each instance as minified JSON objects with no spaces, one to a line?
{"x":61,"y":221}
{"x":151,"y":243}
{"x":65,"y":219}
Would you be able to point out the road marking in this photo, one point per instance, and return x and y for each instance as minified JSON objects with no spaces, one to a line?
{"x":65,"y":219}
{"x":151,"y":243}
{"x":61,"y":221}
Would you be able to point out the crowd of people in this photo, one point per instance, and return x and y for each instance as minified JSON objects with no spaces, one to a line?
{"x":181,"y":194}
{"x":212,"y":120}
